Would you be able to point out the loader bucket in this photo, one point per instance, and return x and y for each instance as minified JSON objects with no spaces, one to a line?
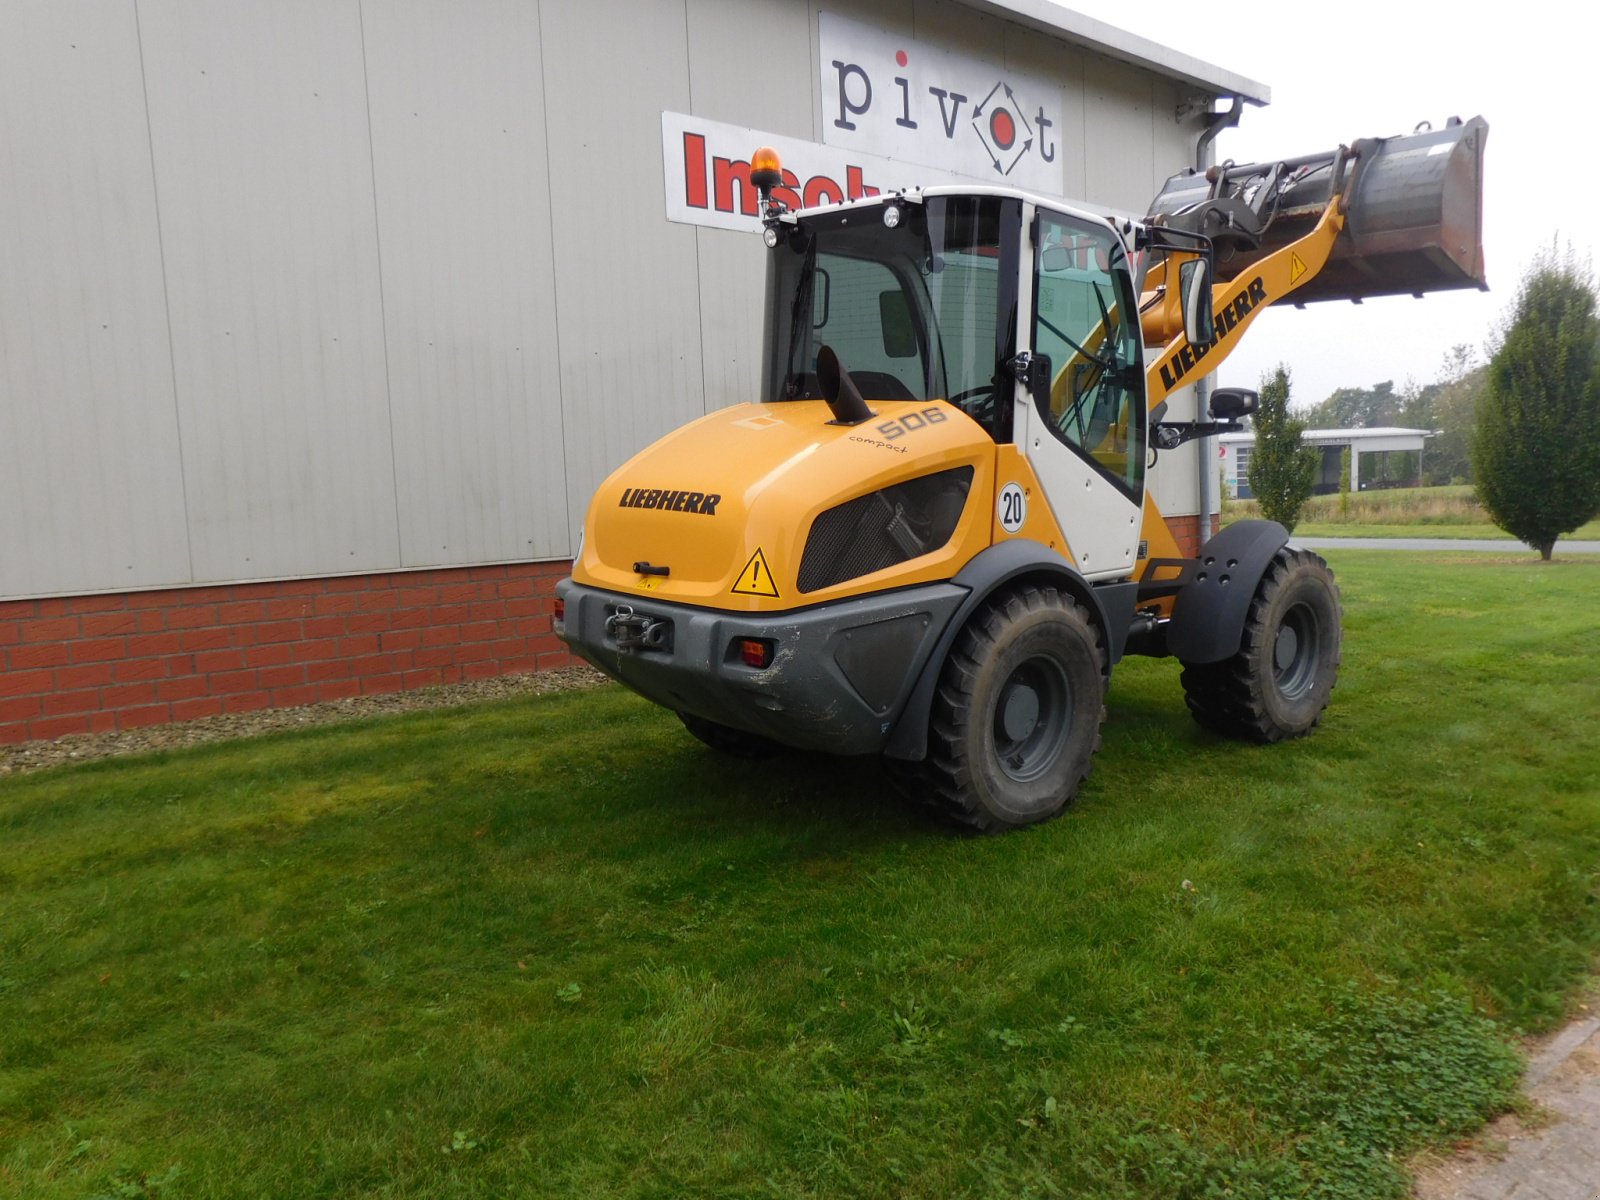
{"x":1413,"y":213}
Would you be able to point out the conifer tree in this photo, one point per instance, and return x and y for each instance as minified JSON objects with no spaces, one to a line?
{"x":1536,"y":448}
{"x":1282,"y":469}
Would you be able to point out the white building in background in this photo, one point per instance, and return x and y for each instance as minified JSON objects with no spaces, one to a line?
{"x":312,"y":290}
{"x":1236,"y":449}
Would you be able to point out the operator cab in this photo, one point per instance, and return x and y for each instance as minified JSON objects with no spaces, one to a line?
{"x":1015,"y":311}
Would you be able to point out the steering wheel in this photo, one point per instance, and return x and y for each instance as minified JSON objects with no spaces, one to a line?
{"x":980,"y":411}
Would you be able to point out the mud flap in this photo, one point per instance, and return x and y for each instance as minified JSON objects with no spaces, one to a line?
{"x":1209,"y":613}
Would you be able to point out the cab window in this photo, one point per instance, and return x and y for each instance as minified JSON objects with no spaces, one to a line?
{"x":1086,"y":321}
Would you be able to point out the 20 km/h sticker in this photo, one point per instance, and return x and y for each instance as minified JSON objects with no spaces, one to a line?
{"x":1012,"y":508}
{"x":756,"y":578}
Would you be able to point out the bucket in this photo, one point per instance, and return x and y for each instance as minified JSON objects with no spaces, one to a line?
{"x":1413,"y":213}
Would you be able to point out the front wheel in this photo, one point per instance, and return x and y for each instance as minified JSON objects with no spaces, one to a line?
{"x":1278,"y":683}
{"x":1016,"y":719}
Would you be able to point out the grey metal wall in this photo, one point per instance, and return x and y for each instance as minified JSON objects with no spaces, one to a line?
{"x":304,"y":287}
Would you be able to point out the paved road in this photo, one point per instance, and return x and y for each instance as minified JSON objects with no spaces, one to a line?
{"x":1505,"y":546}
{"x":1558,"y":1161}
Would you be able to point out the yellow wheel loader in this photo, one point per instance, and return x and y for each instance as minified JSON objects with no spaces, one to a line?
{"x":930,"y":536}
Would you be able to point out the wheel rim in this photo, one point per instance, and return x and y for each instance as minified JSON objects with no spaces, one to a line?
{"x":1296,"y":651}
{"x":1032,"y":718}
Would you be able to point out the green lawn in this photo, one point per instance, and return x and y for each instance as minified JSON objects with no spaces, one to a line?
{"x":554,"y":947}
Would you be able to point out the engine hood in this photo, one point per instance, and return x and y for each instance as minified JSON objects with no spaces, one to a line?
{"x":720,"y":509}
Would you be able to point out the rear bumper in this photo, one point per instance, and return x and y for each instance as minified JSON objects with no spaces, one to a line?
{"x":838,"y":680}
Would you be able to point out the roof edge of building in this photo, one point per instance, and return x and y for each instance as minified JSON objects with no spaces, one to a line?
{"x":1052,"y":18}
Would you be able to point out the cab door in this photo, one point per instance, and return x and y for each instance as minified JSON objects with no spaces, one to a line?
{"x":1086,"y":438}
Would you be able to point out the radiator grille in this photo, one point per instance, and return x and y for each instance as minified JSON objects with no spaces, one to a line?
{"x":883,"y":528}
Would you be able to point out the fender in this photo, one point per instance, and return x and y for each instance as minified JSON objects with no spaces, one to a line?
{"x":1208,"y":614}
{"x":1110,"y":608}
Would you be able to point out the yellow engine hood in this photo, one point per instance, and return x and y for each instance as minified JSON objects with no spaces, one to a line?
{"x":725,"y":502}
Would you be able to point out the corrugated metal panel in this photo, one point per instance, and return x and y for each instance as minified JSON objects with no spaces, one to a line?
{"x":744,"y":58}
{"x":259,"y":125}
{"x":1119,"y":134}
{"x":973,"y":33}
{"x":627,"y":281}
{"x":481,"y":176}
{"x":1027,"y":51}
{"x":90,"y":488}
{"x":458,"y":128}
{"x":729,"y":83}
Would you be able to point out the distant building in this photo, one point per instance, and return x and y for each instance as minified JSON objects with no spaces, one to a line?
{"x":1236,"y":450}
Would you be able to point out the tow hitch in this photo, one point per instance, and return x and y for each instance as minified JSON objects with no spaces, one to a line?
{"x":632,"y":630}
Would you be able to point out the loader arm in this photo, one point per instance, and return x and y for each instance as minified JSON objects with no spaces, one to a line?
{"x":1237,"y":302}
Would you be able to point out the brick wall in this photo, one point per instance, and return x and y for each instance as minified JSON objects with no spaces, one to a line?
{"x":93,"y":663}
{"x":1187,"y":532}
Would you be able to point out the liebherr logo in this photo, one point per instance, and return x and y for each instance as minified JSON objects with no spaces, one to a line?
{"x":701,"y":503}
{"x":1226,"y":319}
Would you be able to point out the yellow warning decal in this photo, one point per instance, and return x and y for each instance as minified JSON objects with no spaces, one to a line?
{"x":1296,"y":269}
{"x":756,"y":578}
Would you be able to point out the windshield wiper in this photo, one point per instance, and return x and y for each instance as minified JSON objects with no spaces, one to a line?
{"x":1105,"y":364}
{"x":796,"y":374}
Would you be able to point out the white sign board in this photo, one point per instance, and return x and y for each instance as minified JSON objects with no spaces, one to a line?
{"x":887,"y":95}
{"x":708,"y":172}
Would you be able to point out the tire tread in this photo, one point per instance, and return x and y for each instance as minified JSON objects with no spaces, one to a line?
{"x":1228,"y":697}
{"x":941,"y":781}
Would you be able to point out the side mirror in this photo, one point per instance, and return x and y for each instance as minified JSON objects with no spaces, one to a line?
{"x":1055,"y":259}
{"x":1230,"y":404}
{"x":1194,"y":286}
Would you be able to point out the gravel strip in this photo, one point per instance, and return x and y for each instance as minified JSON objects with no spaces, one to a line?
{"x":84,"y":747}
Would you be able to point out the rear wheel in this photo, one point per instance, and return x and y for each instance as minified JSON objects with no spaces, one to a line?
{"x":1016,"y":719}
{"x":727,"y":740}
{"x":1278,"y":683}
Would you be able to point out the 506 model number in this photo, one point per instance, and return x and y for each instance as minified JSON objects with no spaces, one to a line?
{"x":916,"y":420}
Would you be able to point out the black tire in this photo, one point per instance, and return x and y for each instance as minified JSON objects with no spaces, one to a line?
{"x":724,"y":739}
{"x":1278,"y":683}
{"x":1017,"y":715}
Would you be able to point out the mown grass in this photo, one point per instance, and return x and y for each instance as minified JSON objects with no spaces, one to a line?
{"x":556,"y":948}
{"x":1436,"y":512}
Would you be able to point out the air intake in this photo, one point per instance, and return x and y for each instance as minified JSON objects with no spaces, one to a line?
{"x":883,"y":528}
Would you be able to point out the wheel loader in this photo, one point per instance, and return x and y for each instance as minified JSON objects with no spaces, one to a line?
{"x":930,"y":535}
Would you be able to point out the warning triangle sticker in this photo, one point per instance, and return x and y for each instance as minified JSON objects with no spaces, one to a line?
{"x":1296,"y":268}
{"x":756,"y":578}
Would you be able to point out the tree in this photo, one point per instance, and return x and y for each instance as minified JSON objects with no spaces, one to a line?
{"x":1357,"y":408}
{"x":1282,"y":469}
{"x":1345,"y":457}
{"x":1536,"y":449}
{"x":1453,"y":416}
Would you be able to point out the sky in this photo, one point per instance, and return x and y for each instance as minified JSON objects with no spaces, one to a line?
{"x":1357,"y":69}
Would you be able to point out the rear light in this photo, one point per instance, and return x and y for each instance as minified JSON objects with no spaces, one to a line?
{"x":559,"y":611}
{"x":753,"y":652}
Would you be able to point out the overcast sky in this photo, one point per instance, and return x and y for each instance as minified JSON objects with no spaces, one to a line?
{"x":1360,"y":69}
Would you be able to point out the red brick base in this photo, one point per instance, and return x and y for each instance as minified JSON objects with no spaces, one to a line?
{"x":1187,"y":532}
{"x":93,"y":663}
{"x":86,"y":664}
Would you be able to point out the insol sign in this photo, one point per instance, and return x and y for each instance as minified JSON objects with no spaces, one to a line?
{"x":900,"y":99}
{"x":708,"y":172}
